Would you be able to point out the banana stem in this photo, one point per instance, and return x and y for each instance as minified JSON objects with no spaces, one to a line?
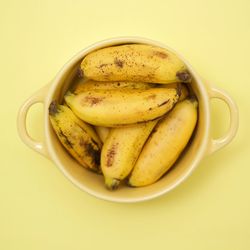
{"x":112,"y":183}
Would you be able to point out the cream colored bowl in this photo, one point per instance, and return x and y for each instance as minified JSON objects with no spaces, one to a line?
{"x":202,"y":143}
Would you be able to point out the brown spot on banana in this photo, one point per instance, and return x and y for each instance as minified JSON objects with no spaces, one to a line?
{"x":91,"y":149}
{"x":106,"y":76}
{"x":65,"y":139}
{"x":161,"y":54}
{"x":119,"y":63}
{"x":92,"y":100}
{"x":151,"y":97}
{"x":79,"y":73}
{"x":103,"y":65}
{"x":161,"y":104}
{"x":111,"y":155}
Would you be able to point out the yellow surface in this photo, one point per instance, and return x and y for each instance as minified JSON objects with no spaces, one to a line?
{"x":41,"y":209}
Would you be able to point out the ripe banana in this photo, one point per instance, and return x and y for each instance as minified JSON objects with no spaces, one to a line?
{"x":90,"y":84}
{"x":165,"y":144}
{"x":102,"y":132}
{"x":136,"y":63}
{"x":121,"y":150}
{"x":110,"y":108}
{"x":79,"y":138}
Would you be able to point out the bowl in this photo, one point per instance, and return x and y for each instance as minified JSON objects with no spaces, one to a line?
{"x":201,"y":145}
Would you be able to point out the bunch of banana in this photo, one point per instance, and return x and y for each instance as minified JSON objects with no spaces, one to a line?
{"x":136,"y":63}
{"x":78,"y":137}
{"x":133,"y":100}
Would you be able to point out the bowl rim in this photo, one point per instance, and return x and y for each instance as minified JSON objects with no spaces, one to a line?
{"x":115,"y":41}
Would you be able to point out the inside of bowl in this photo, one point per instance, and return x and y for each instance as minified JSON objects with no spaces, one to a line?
{"x":94,"y":184}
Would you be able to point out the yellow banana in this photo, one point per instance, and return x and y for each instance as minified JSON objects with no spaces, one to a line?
{"x":79,"y":138}
{"x":165,"y":144}
{"x":121,"y":150}
{"x":110,"y":108}
{"x":103,"y":132}
{"x":90,"y":84}
{"x":136,"y":63}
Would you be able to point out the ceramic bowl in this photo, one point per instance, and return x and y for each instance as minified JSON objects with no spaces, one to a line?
{"x":201,"y":145}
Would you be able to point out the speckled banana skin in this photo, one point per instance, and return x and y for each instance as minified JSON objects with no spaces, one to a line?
{"x":111,"y":108}
{"x":121,"y":150}
{"x":136,"y":63}
{"x":79,"y":138}
{"x":165,"y":144}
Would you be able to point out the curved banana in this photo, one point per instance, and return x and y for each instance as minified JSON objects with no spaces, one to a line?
{"x":102,"y":132}
{"x":136,"y":63}
{"x":121,"y":150}
{"x":165,"y":144}
{"x":110,"y":108}
{"x":90,"y":84}
{"x":79,"y":138}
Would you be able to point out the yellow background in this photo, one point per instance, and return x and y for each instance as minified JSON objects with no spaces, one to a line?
{"x":41,"y":209}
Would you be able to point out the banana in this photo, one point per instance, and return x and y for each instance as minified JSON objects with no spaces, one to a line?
{"x":111,"y":108}
{"x":121,"y":150}
{"x":90,"y":84}
{"x":79,"y":138}
{"x":102,"y":132}
{"x":136,"y":63}
{"x":165,"y":144}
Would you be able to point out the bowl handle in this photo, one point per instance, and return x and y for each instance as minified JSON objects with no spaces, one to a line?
{"x":217,"y":144}
{"x":37,"y":97}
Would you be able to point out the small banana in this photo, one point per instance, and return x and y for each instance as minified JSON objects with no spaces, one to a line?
{"x":110,"y":108}
{"x":165,"y":144}
{"x":102,"y":132}
{"x":121,"y":150}
{"x":136,"y":63}
{"x":90,"y":84}
{"x":79,"y":138}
